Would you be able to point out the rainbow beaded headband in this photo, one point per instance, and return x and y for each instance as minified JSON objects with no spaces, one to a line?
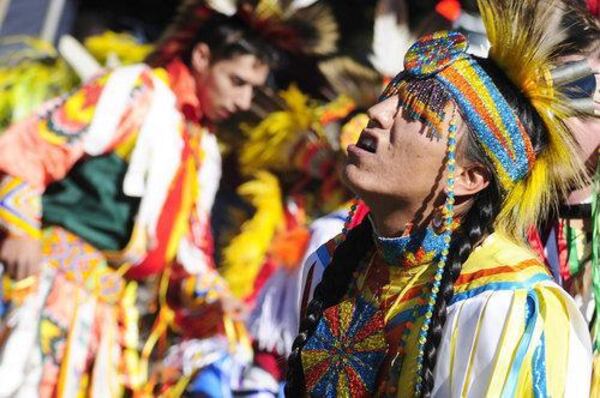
{"x":443,"y":56}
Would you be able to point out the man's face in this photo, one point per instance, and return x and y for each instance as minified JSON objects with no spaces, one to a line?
{"x":227,"y":86}
{"x":395,"y":160}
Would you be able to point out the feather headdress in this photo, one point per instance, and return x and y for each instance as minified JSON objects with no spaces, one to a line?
{"x":295,"y":27}
{"x":297,"y":137}
{"x":352,"y":79}
{"x":298,"y":28}
{"x":290,"y":138}
{"x":270,"y":143}
{"x":526,"y":40}
{"x":526,"y":37}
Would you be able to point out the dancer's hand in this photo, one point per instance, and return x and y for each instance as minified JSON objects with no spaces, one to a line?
{"x":21,"y":256}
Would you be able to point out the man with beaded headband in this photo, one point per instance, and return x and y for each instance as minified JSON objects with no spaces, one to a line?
{"x":436,"y":293}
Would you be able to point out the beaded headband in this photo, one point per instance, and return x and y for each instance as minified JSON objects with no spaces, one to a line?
{"x":443,"y":57}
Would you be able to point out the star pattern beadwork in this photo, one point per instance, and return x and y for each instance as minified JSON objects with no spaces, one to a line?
{"x":413,"y":249}
{"x":434,"y":52}
{"x":343,"y":356}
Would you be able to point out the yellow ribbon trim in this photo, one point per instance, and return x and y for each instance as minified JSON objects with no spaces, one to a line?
{"x":474,"y":349}
{"x":511,"y":334}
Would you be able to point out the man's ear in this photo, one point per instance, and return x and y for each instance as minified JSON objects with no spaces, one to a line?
{"x":470,"y":179}
{"x":200,"y":58}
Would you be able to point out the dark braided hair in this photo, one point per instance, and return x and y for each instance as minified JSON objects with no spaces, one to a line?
{"x":332,"y":288}
{"x":474,"y":227}
{"x":476,"y":224}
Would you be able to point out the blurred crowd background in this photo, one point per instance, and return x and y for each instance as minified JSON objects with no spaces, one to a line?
{"x":49,"y":47}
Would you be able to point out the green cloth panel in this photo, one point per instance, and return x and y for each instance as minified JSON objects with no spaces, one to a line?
{"x":90,"y":203}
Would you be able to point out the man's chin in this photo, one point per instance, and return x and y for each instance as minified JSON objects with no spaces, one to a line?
{"x":221,"y":115}
{"x":212,"y":115}
{"x":362,"y":183}
{"x":352,"y":177}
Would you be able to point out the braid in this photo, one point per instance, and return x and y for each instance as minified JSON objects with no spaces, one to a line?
{"x":332,"y":288}
{"x":476,"y":225}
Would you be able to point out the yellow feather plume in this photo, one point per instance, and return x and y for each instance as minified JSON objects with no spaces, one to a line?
{"x":270,"y":143}
{"x":120,"y":45}
{"x":525,"y":36}
{"x":29,"y":76}
{"x":244,"y":256}
{"x":269,"y":8}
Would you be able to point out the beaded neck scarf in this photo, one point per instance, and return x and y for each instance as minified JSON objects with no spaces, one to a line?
{"x":412,"y":248}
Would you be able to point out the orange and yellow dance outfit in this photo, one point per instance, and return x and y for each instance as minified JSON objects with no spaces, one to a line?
{"x":116,"y":180}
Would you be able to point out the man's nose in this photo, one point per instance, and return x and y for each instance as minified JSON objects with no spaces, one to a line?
{"x":382,"y":113}
{"x":243,"y":99}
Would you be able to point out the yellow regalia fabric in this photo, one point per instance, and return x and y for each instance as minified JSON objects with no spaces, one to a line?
{"x":511,"y":330}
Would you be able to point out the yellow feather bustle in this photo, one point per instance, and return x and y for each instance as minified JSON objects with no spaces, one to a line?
{"x":30,"y":76}
{"x":246,"y":253}
{"x":123,"y":46}
{"x":525,"y":36}
{"x":269,"y":143}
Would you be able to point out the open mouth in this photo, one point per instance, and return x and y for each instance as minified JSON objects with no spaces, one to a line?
{"x":367,"y":142}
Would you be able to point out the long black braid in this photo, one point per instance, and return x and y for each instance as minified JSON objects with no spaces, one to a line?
{"x":332,"y":288}
{"x":477,"y":223}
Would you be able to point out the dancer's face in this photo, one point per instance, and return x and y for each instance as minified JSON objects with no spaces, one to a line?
{"x":226,"y":86}
{"x":395,"y":159}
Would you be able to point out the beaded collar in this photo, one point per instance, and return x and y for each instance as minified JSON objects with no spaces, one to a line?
{"x":415,"y":248}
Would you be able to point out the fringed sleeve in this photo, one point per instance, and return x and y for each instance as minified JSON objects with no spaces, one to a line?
{"x":514,"y":341}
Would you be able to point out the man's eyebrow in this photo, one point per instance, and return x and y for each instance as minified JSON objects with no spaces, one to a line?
{"x":245,"y":81}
